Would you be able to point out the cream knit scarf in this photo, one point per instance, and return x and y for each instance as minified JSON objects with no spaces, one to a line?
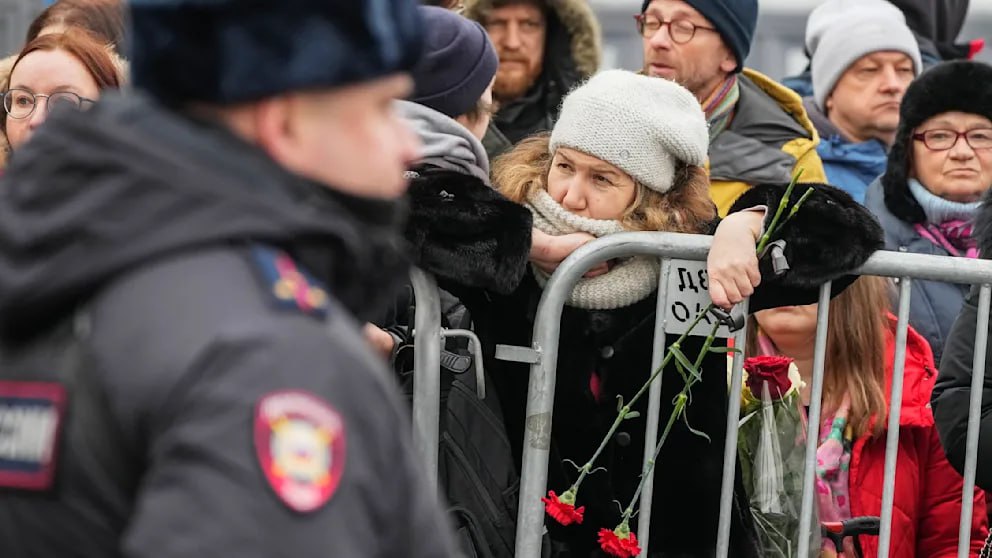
{"x":631,"y":280}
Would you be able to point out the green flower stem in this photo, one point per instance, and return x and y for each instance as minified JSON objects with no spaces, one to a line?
{"x":681,"y":400}
{"x":773,"y":227}
{"x":795,"y":208}
{"x":625,"y":410}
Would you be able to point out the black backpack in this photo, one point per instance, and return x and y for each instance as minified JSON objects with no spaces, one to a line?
{"x":476,"y":473}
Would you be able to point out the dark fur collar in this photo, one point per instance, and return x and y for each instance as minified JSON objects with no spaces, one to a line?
{"x":462,"y":230}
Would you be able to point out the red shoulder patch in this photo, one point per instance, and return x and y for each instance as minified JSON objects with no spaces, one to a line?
{"x":300,"y":443}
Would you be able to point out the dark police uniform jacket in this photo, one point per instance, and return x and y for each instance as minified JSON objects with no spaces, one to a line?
{"x":181,"y":371}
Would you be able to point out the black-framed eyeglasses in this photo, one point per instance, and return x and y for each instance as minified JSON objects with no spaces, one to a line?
{"x":942,"y":140}
{"x":680,"y":30}
{"x":21,"y":103}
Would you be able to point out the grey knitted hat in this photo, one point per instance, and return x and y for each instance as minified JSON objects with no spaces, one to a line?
{"x":641,"y":125}
{"x":847,"y":40}
{"x":827,"y":14}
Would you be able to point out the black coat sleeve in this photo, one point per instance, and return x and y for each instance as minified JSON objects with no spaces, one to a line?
{"x":951,"y":394}
{"x":829,"y":237}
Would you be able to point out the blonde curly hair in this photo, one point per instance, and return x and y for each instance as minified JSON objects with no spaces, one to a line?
{"x":686,"y":208}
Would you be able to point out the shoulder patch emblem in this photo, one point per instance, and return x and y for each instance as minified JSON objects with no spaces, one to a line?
{"x":289,"y":286}
{"x":300,"y":443}
{"x":31,"y":421}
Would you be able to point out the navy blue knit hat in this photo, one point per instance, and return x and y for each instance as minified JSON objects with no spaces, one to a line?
{"x":457,"y":65}
{"x":231,"y":51}
{"x":735,"y":20}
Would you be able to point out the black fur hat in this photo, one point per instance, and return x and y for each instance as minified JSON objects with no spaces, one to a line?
{"x":231,"y":51}
{"x":962,"y":86}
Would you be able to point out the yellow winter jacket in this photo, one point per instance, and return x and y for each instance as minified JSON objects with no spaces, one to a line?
{"x":769,"y":138}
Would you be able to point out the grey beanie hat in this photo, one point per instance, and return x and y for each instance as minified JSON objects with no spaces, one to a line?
{"x":845,"y":41}
{"x":827,"y":14}
{"x":639,"y":124}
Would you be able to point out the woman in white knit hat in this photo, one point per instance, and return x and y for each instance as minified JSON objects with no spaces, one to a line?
{"x":628,"y":154}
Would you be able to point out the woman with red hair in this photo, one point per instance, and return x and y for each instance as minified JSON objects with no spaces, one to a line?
{"x":66,"y":70}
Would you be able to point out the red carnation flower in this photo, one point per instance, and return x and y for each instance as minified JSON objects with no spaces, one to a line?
{"x":621,"y":545}
{"x":562,"y":509}
{"x":771,"y":369}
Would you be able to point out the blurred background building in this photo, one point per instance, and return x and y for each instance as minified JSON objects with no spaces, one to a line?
{"x":778,"y":50}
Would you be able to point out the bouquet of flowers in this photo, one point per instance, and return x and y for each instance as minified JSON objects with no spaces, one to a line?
{"x":772,"y":447}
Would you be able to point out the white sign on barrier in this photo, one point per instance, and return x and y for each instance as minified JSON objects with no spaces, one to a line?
{"x":687,"y":296}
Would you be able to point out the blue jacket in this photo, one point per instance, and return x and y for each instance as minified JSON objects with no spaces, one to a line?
{"x":934,"y":305}
{"x":849,"y":166}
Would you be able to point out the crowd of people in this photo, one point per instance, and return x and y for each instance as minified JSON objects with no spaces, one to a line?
{"x":205,"y":239}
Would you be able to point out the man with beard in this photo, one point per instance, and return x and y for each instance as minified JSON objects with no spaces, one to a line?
{"x":545,"y":47}
{"x":863,"y":61}
{"x":181,"y":368}
{"x":759,"y":131}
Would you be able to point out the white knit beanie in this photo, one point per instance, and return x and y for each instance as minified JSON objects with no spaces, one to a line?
{"x":847,"y":40}
{"x":641,"y":125}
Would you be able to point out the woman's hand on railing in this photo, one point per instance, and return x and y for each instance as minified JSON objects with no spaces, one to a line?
{"x":548,"y":251}
{"x":732,"y":264}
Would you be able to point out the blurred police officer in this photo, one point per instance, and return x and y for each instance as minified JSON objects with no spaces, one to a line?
{"x":170,"y":265}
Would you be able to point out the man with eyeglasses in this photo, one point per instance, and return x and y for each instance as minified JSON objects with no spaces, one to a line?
{"x":545,"y":48}
{"x":863,"y":59}
{"x":759,"y":131}
{"x":183,"y":275}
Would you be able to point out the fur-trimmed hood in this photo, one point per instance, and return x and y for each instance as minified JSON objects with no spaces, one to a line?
{"x":579,"y":22}
{"x":952,"y":86}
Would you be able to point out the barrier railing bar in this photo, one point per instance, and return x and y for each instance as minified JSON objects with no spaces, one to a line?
{"x":654,"y":405}
{"x":813,"y":428}
{"x":883,"y":263}
{"x":730,"y":445}
{"x":693,"y":247}
{"x":895,"y":408}
{"x":974,"y":419}
{"x":427,"y":367}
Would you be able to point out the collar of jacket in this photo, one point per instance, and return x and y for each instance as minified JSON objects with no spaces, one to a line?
{"x":768,"y":116}
{"x":835,"y":147}
{"x":896,"y":230}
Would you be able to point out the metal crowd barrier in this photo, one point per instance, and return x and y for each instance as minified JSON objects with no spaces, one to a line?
{"x":543,"y":357}
{"x":428,"y":339}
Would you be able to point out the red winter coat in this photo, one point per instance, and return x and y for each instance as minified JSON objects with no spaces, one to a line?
{"x":928,"y":491}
